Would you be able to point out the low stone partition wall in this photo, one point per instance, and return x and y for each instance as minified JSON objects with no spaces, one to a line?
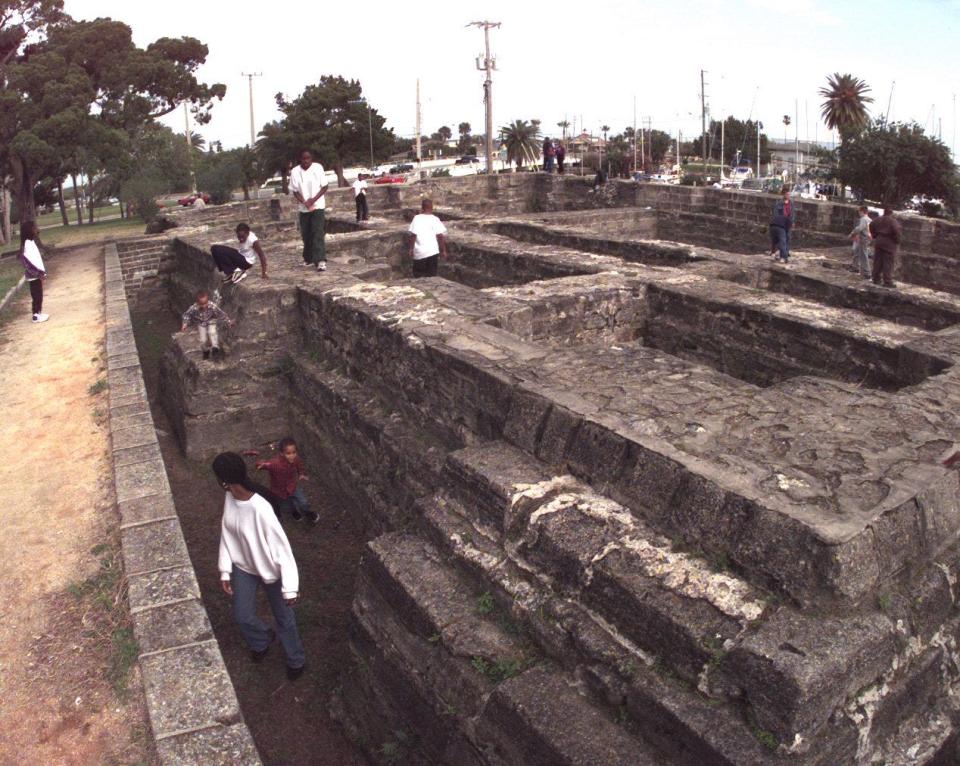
{"x":143,"y":263}
{"x":193,"y":709}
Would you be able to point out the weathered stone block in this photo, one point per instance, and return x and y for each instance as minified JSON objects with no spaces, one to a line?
{"x":140,"y":479}
{"x":171,"y":625}
{"x":162,"y":586}
{"x":153,"y":546}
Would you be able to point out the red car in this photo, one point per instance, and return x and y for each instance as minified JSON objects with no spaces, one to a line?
{"x":392,"y":179}
{"x":191,"y":198}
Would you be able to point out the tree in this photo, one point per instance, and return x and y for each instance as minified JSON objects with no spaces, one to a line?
{"x":463,"y":145}
{"x":845,"y":107}
{"x":21,"y":18}
{"x":445,"y":133}
{"x":198,"y":142}
{"x":738,"y":136}
{"x":521,"y":141}
{"x":331,"y":119}
{"x":890,"y":163}
{"x":77,"y":92}
{"x":563,"y":125}
{"x":276,"y":148}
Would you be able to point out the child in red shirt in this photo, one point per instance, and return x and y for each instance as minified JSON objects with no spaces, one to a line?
{"x":286,"y":471}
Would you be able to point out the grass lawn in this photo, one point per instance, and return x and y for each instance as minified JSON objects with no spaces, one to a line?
{"x":55,"y":219}
{"x":10,"y":273}
{"x":61,"y":236}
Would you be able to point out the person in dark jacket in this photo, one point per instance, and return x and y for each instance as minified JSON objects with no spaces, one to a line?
{"x":781,"y":224}
{"x":885,"y":231}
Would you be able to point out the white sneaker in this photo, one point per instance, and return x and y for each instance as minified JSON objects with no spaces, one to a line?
{"x":321,"y":265}
{"x":37,"y":318}
{"x":239,"y":276}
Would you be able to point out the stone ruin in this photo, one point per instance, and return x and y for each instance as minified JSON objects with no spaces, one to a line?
{"x":634,"y":493}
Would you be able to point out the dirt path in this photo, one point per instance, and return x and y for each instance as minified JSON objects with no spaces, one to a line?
{"x":65,"y":646}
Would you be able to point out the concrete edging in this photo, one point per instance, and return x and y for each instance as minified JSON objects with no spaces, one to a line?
{"x":194,"y":713}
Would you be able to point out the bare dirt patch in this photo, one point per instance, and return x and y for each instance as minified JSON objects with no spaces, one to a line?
{"x":69,"y":693}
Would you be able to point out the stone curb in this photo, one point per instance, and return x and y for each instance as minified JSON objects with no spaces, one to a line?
{"x":193,"y":708}
{"x":12,"y":292}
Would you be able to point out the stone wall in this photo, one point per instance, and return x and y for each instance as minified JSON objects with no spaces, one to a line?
{"x":144,"y":263}
{"x":194,"y":714}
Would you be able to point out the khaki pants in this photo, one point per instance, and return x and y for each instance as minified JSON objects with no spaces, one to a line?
{"x":209,"y":333}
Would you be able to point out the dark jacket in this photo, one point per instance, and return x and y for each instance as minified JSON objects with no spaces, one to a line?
{"x":781,"y":217}
{"x":886,"y":233}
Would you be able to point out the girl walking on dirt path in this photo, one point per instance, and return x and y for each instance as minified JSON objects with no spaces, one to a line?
{"x":33,"y":270}
{"x":254,"y":550}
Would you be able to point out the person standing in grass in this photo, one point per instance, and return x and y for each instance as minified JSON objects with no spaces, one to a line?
{"x":255,"y":551}
{"x":33,"y":269}
{"x":308,"y":186}
{"x":286,"y":471}
{"x":234,"y":261}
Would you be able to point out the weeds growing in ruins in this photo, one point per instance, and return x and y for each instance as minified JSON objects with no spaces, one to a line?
{"x":98,"y":387}
{"x":102,"y":597}
{"x":765,"y":738}
{"x":499,"y":670}
{"x":485,"y":603}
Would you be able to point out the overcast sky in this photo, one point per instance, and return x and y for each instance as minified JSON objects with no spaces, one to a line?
{"x":583,"y":61}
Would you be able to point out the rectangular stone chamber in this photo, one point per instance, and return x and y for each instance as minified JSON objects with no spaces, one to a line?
{"x":617,"y":470}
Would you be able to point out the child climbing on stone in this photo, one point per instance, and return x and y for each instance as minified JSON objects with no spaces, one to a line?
{"x":205,"y":314}
{"x":286,"y":471}
{"x":234,"y":261}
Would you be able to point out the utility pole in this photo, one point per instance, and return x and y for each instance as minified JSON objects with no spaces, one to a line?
{"x":186,"y":131}
{"x":796,"y":141}
{"x":634,"y":134}
{"x":419,"y":155}
{"x":253,"y":131}
{"x":759,"y":128}
{"x":488,"y":65}
{"x":703,"y":122}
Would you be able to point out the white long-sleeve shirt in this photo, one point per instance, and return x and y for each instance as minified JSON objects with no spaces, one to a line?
{"x":252,"y":539}
{"x":32,"y":253}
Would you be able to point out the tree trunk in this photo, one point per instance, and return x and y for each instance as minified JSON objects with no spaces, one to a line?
{"x":246,"y":192}
{"x":76,"y":200}
{"x":122,"y":216}
{"x":338,"y":169}
{"x":90,"y":206}
{"x":62,"y":204}
{"x":23,"y":191}
{"x":4,"y":212}
{"x":285,"y":181}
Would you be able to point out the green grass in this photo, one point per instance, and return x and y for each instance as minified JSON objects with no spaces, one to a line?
{"x":64,"y":236}
{"x":55,"y":219}
{"x":10,"y":273}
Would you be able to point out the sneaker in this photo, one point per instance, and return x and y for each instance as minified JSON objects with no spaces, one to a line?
{"x":258,"y":656}
{"x":227,"y":279}
{"x":313,"y":517}
{"x":294,"y":673}
{"x":306,"y":263}
{"x":37,"y":318}
{"x":296,"y":515}
{"x":238,"y":276}
{"x":206,"y":354}
{"x":321,"y":265}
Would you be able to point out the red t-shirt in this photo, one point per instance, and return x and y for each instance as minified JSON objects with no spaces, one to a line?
{"x":283,"y":475}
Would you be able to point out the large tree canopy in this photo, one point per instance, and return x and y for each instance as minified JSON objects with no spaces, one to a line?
{"x":72,"y":98}
{"x":893,"y":162}
{"x":332,"y":120}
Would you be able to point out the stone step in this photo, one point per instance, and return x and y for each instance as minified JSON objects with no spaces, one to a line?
{"x":470,"y":670}
{"x":542,"y":538}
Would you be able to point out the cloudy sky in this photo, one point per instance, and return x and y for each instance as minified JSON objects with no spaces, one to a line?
{"x":583,"y":61}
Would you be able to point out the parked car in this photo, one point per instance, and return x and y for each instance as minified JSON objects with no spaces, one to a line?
{"x":467,"y":159}
{"x":404,"y":167}
{"x":191,"y":198}
{"x":391,"y":178}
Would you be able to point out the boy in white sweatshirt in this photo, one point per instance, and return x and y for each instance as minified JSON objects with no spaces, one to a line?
{"x":254,"y":551}
{"x":33,"y":269}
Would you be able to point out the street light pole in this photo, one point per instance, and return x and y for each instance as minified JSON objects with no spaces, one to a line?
{"x":369,"y":123}
{"x":253,"y":132}
{"x":489,"y":65}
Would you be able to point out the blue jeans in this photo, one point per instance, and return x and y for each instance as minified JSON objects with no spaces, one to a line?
{"x":297,"y":503}
{"x":780,"y":239}
{"x":255,"y":632}
{"x":548,"y":164}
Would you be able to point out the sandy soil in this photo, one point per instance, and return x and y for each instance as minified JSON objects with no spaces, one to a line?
{"x":57,"y":704}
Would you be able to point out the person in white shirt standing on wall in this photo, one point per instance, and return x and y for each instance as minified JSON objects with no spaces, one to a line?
{"x":360,"y":193}
{"x":427,"y":240}
{"x":255,"y":551}
{"x":309,"y":187}
{"x":33,"y":269}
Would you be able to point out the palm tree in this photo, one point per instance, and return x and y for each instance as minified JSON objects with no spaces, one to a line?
{"x":520,"y":140}
{"x":197,"y":141}
{"x":845,"y":108}
{"x":563,"y":125}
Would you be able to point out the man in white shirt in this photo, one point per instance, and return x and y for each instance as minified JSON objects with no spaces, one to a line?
{"x":309,"y":187}
{"x":427,"y":241}
{"x":360,"y":195}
